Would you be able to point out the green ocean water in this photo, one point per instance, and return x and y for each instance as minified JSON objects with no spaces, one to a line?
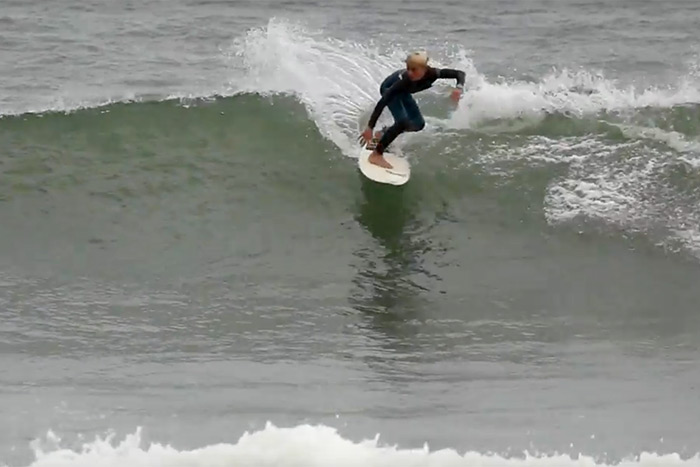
{"x":188,"y":247}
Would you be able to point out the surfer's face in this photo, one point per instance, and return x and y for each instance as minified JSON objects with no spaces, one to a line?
{"x":415,"y":72}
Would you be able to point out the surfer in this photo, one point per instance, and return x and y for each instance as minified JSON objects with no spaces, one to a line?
{"x":396,"y":92}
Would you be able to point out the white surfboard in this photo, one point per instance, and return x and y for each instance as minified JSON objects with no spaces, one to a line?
{"x":397,"y":175}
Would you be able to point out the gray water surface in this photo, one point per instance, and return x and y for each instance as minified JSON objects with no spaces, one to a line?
{"x":199,"y":272}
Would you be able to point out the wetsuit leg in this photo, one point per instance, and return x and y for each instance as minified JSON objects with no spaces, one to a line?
{"x":407,"y":117}
{"x":415,"y":118}
{"x":398,"y":109}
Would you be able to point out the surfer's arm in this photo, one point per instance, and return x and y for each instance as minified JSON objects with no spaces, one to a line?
{"x":459,"y":75}
{"x":386,"y":97}
{"x":449,"y":73}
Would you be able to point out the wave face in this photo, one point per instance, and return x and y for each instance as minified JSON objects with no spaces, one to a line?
{"x":615,"y":158}
{"x":632,"y":154}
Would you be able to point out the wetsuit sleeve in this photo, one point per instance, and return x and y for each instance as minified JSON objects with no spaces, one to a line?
{"x":449,"y":73}
{"x":388,"y":95}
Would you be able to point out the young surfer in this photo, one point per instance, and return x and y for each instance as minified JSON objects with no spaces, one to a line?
{"x":396,"y":92}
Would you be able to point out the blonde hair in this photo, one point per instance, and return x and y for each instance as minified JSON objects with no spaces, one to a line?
{"x":419,"y":58}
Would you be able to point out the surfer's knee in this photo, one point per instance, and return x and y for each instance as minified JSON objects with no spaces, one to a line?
{"x":417,"y":124}
{"x":403,"y":125}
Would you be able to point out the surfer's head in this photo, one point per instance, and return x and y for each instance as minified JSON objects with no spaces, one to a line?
{"x":416,"y":65}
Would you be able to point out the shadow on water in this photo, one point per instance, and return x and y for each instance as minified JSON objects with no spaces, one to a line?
{"x":385,"y":289}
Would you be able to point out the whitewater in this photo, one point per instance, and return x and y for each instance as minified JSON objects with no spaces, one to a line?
{"x":308,"y":446}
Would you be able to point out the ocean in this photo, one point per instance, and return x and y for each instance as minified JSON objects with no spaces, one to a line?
{"x":193,"y":272}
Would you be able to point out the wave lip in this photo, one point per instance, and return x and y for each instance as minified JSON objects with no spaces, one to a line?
{"x":573,"y":94}
{"x":310,"y":446}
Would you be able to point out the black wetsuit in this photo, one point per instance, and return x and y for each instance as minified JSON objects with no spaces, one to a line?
{"x":396,"y":92}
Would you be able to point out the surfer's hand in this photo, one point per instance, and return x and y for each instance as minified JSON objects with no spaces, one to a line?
{"x":366,"y":136}
{"x":456,"y":94}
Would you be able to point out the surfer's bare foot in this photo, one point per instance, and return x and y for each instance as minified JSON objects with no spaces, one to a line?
{"x":377,"y":159}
